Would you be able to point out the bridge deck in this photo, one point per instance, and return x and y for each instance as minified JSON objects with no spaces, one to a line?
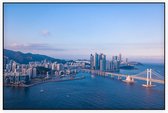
{"x":122,"y":75}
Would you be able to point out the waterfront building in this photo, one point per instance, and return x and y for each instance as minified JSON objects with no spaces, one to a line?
{"x":126,"y":60}
{"x":96,"y":61}
{"x":108,"y":65}
{"x":30,"y":72}
{"x":101,"y":65}
{"x":91,"y":61}
{"x":120,"y":57}
{"x":102,"y":62}
{"x":115,"y":64}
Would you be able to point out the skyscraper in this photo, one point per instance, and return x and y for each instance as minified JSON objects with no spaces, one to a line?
{"x":108,"y":65}
{"x":30,"y":72}
{"x":96,"y":61}
{"x":115,"y":64}
{"x":126,"y":60}
{"x":120,"y":57}
{"x":102,"y":62}
{"x":91,"y":61}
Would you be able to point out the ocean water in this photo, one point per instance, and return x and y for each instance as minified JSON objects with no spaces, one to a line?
{"x":93,"y":92}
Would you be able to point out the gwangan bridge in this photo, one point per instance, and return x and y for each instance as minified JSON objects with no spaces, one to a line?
{"x":148,"y":75}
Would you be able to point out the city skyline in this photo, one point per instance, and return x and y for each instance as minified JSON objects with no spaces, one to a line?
{"x":73,"y":31}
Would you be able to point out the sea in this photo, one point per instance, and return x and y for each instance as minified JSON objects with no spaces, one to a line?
{"x":92,"y":93}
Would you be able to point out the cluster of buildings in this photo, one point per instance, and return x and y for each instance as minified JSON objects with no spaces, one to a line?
{"x":99,"y":62}
{"x":24,"y":73}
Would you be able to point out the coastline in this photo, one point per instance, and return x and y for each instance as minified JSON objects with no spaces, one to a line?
{"x":41,"y":82}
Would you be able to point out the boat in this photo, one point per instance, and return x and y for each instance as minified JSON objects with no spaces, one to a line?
{"x":41,"y":90}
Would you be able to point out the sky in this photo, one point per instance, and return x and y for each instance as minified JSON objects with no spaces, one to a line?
{"x":74,"y":31}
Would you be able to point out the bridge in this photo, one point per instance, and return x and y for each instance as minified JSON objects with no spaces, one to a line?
{"x":148,"y":75}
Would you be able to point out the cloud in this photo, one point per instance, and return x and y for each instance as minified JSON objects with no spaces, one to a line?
{"x":33,"y":46}
{"x":45,"y":33}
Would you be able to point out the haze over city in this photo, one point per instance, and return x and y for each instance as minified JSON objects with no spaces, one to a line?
{"x":74,"y":31}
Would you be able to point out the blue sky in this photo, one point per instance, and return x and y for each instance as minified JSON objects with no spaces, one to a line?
{"x":72,"y":31}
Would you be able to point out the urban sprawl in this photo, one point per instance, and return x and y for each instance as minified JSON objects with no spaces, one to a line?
{"x":16,"y":74}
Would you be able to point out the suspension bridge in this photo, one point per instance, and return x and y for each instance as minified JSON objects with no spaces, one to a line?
{"x":148,"y":75}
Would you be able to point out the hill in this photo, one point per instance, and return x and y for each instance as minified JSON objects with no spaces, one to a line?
{"x":25,"y":58}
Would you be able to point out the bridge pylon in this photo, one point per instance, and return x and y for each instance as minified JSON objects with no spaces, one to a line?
{"x":148,"y":78}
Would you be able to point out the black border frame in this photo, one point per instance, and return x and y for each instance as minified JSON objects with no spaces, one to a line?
{"x":3,"y":5}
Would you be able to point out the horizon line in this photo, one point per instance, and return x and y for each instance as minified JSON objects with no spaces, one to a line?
{"x":134,"y":58}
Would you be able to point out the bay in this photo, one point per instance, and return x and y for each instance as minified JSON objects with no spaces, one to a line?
{"x":93,"y":92}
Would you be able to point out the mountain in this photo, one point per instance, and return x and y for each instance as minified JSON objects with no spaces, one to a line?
{"x":25,"y":58}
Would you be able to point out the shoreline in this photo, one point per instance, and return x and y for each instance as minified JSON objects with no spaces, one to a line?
{"x":41,"y":82}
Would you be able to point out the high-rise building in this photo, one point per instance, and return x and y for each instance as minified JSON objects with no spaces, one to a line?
{"x":14,"y":66}
{"x":108,"y":65}
{"x":126,"y":60}
{"x":96,"y":61}
{"x":53,"y":66}
{"x":30,"y":72}
{"x":100,"y":66}
{"x":120,"y":57}
{"x":91,"y":61}
{"x":115,"y":64}
{"x":102,"y":62}
{"x":34,"y":72}
{"x":115,"y":58}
